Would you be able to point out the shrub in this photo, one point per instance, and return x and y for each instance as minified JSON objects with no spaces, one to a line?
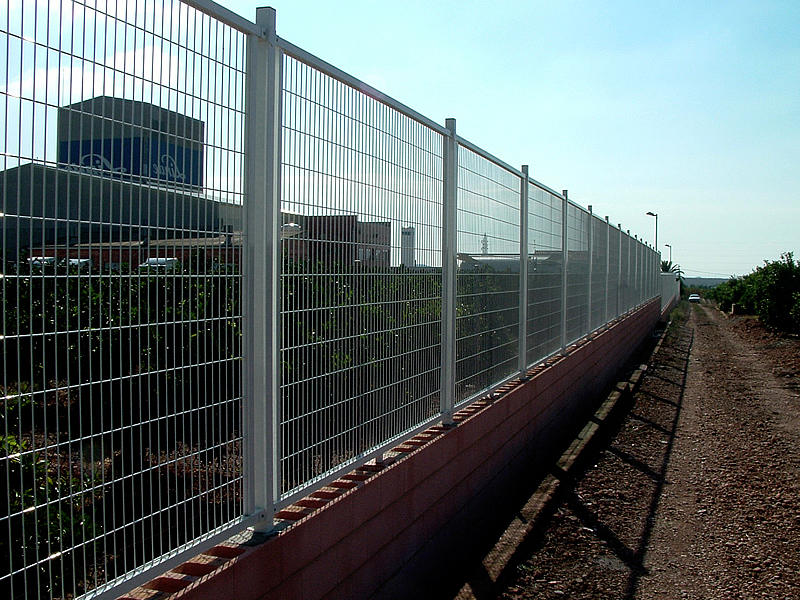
{"x":776,"y":287}
{"x":733,"y":291}
{"x":771,"y":292}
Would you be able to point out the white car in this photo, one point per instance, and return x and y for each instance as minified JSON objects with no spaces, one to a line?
{"x":694,"y":298}
{"x":161,"y":263}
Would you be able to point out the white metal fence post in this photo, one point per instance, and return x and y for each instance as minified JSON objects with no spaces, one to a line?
{"x":651,"y":273}
{"x":634,"y":244}
{"x":523,"y":272}
{"x":619,"y":273}
{"x":564,"y":267}
{"x":262,"y":271}
{"x":637,"y":268}
{"x":642,"y":271}
{"x":656,"y":274}
{"x":449,"y":271}
{"x":606,"y":318}
{"x":628,"y":277}
{"x":589,"y":321}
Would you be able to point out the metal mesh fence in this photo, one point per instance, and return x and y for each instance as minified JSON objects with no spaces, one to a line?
{"x":614,"y":273}
{"x":599,"y":272}
{"x":545,"y":288}
{"x":121,"y":175}
{"x":626,"y":275}
{"x":578,"y":262}
{"x":127,"y":165}
{"x":361,"y":213}
{"x":488,"y":279}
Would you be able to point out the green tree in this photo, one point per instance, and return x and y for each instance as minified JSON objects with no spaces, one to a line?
{"x":667,"y":266}
{"x":772,"y":292}
{"x":775,"y":290}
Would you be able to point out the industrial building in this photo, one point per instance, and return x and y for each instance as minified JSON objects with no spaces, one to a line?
{"x":129,"y":185}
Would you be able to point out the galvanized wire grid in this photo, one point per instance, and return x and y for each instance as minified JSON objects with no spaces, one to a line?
{"x":614,"y":273}
{"x":633,"y":274}
{"x":639,"y":269}
{"x":488,"y":286}
{"x":544,"y":274}
{"x":122,"y":192}
{"x":361,"y":299}
{"x":626,"y":273}
{"x":577,"y":273}
{"x":121,"y":188}
{"x":599,"y":273}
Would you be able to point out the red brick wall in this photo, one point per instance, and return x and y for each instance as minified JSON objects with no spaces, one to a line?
{"x":393,"y":536}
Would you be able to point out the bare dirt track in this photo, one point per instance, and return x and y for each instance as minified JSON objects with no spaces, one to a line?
{"x":694,"y":494}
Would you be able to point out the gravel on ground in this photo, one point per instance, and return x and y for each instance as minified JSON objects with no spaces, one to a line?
{"x":696,"y":491}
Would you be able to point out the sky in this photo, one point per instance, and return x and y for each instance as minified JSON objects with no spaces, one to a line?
{"x":687,"y":109}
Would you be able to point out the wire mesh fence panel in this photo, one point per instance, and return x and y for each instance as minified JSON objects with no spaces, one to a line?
{"x":633,"y":273}
{"x":655,"y":269}
{"x":545,"y":290}
{"x":578,"y":257}
{"x":614,"y":268}
{"x":361,"y":300}
{"x":626,"y":274}
{"x":487,"y":283}
{"x":644,"y":272}
{"x":122,"y":189}
{"x":121,"y":180}
{"x":599,"y":272}
{"x":638,"y":273}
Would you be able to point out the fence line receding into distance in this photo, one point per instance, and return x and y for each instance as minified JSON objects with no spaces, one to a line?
{"x":231,"y":272}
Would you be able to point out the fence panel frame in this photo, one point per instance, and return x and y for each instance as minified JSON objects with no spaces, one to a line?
{"x":636,"y":282}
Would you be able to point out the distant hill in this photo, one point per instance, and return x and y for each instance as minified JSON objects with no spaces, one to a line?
{"x":702,"y":281}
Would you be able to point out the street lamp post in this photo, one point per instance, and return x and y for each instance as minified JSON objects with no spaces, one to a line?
{"x":670,"y":252}
{"x":652,"y":214}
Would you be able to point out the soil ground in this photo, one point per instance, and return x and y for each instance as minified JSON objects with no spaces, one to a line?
{"x":693,"y":493}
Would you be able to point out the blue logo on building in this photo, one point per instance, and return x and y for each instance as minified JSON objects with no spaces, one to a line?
{"x":129,"y":158}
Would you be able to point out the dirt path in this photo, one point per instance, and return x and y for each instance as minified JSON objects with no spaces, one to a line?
{"x":730,"y":525}
{"x":697,"y":495}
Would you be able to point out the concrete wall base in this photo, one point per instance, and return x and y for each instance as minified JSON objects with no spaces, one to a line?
{"x":398,"y":533}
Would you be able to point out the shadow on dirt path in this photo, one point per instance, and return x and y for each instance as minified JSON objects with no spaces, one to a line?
{"x":581,"y":529}
{"x":692,"y":492}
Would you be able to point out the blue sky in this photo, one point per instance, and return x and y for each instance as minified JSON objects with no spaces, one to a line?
{"x":687,"y":109}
